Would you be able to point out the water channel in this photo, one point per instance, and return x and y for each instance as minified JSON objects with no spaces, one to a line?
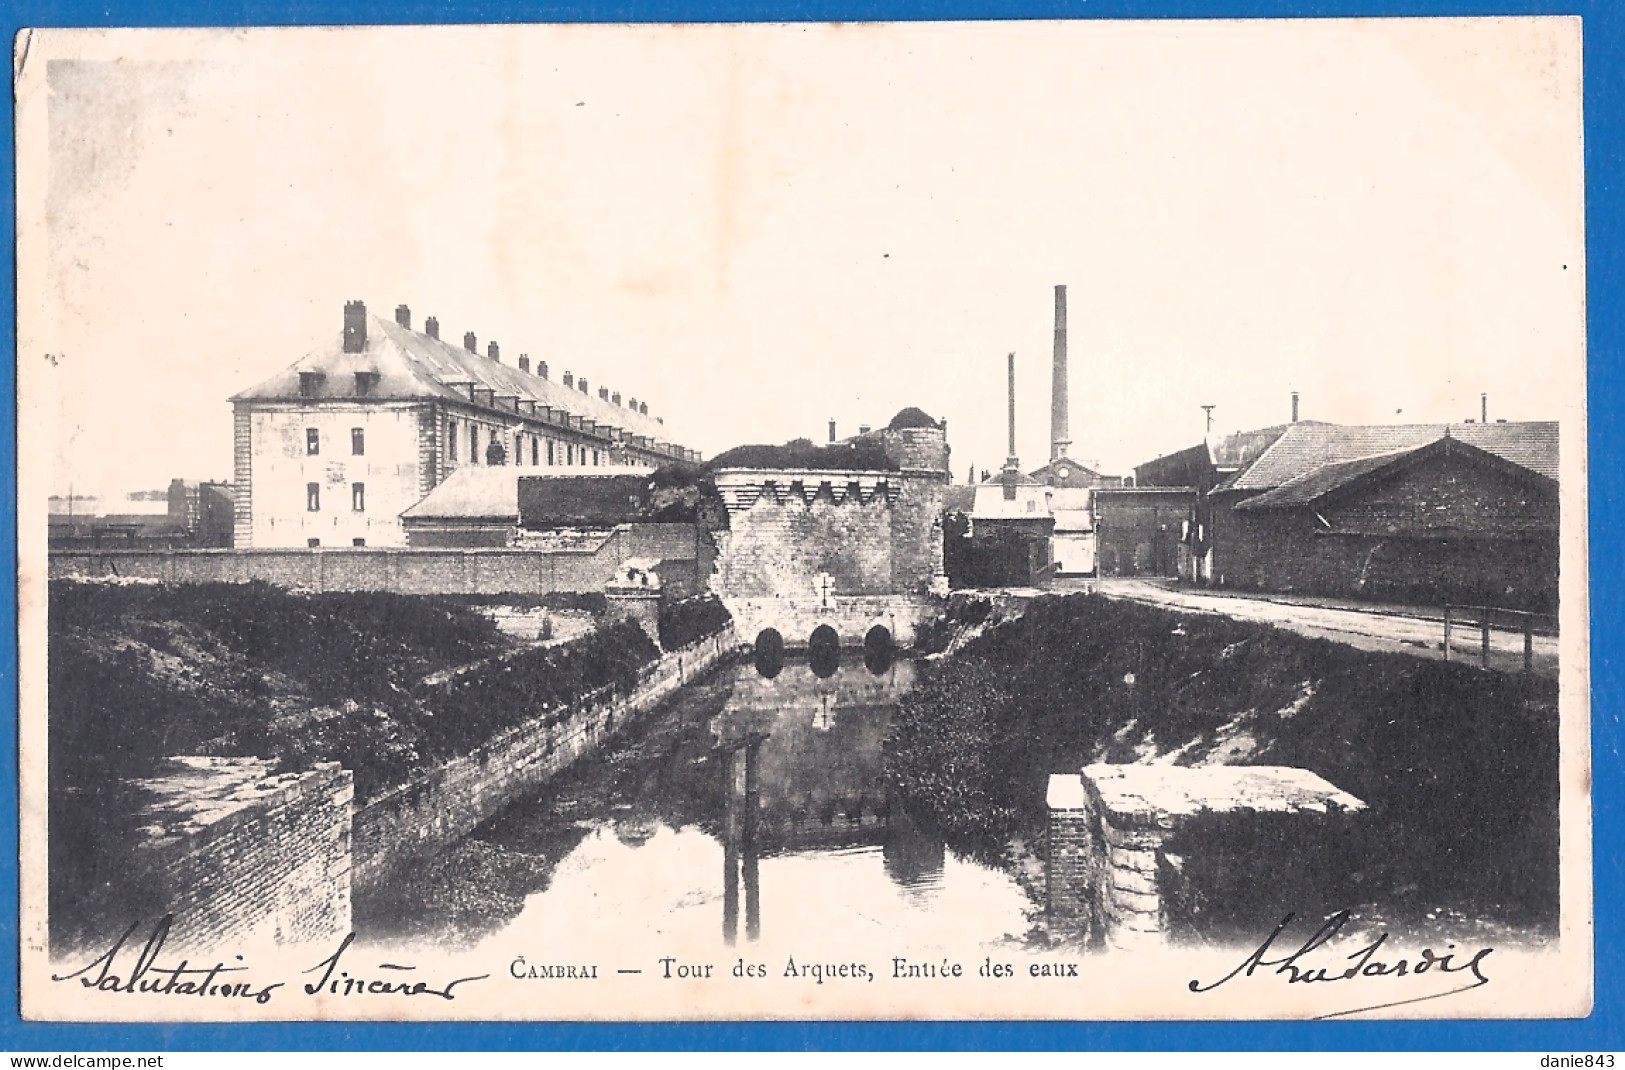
{"x":750,"y":813}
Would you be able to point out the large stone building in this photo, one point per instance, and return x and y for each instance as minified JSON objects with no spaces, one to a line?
{"x":332,"y":450}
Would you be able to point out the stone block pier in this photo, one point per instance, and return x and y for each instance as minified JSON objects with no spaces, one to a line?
{"x":1108,"y":826}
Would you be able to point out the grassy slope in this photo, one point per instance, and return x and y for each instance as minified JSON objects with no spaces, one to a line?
{"x":1458,"y":766}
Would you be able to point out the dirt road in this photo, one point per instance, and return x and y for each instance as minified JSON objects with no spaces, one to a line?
{"x":1404,"y":630}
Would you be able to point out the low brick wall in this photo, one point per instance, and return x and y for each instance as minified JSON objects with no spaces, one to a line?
{"x":1108,"y":826}
{"x":430,"y":813}
{"x":241,"y":856}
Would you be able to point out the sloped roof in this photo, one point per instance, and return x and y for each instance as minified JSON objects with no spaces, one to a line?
{"x":412,"y":365}
{"x":1317,"y":484}
{"x":1305,"y":447}
{"x":472,"y":493}
{"x":1243,"y":447}
{"x":991,"y":503}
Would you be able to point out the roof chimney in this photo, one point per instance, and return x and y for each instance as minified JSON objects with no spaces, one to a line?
{"x":643,"y":408}
{"x":469,"y":343}
{"x":603,"y":393}
{"x":355,"y":327}
{"x":431,"y":327}
{"x":832,"y":429}
{"x":493,"y":352}
{"x":582,"y":383}
{"x":1057,"y":419}
{"x":632,"y":403}
{"x":569,"y":380}
{"x":863,"y":429}
{"x":541,"y":368}
{"x":615,"y":398}
{"x":1294,"y":406}
{"x":403,"y":316}
{"x":524,"y":362}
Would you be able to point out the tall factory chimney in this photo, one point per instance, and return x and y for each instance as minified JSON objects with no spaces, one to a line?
{"x":1059,"y":439}
{"x":1012,"y":465}
{"x":1294,"y":406}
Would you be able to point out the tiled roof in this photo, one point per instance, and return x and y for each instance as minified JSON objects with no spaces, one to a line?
{"x":1305,"y":447}
{"x":1243,"y":447}
{"x":413,"y":365}
{"x":1316,"y":484}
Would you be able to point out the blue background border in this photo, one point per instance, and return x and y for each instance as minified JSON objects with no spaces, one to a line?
{"x":1605,"y":219}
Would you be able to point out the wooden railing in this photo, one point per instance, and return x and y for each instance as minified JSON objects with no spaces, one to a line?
{"x":1484,"y":618}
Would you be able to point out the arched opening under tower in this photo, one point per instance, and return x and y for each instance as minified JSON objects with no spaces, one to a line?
{"x":768,"y":653}
{"x":877,"y":649}
{"x":824,"y":650}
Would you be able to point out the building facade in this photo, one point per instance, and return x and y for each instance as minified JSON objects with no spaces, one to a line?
{"x":332,"y":450}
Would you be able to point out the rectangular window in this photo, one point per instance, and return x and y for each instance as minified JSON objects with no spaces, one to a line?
{"x":358,"y":441}
{"x":313,"y":497}
{"x":550,"y":460}
{"x":473,"y":443}
{"x":313,"y":442}
{"x":358,"y":542}
{"x":595,"y":458}
{"x":358,"y":497}
{"x":309,"y":384}
{"x":451,"y":438}
{"x":535,"y":450}
{"x":569,"y":454}
{"x":313,"y":543}
{"x":364,"y":382}
{"x":519,"y":449}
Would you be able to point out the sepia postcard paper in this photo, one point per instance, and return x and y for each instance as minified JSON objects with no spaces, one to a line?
{"x":1041,"y":520}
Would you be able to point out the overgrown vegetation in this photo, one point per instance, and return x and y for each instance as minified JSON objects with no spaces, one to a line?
{"x":142,"y":672}
{"x":692,"y":619}
{"x":855,"y":455}
{"x":1458,"y":766}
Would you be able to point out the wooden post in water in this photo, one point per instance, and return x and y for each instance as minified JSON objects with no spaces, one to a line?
{"x":1528,"y":642}
{"x":1485,"y":624}
{"x":1447,"y":633}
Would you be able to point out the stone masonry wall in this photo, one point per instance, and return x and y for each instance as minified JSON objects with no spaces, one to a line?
{"x":451,"y":571}
{"x":1108,"y":826}
{"x":780,"y":549}
{"x":241,"y":856}
{"x":433,"y":811}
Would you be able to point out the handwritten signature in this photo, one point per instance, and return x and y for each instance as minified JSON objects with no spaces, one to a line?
{"x":148,"y":975}
{"x":1298,"y":968}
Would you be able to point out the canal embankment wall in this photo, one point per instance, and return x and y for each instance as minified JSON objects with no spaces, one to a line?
{"x":240,"y":854}
{"x":432,"y":811}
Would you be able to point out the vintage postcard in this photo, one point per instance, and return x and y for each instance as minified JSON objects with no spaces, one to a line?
{"x":1045,"y":520}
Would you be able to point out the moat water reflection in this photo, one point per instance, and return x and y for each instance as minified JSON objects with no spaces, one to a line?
{"x":753,"y":809}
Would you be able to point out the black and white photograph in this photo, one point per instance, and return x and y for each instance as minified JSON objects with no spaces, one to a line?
{"x":955,"y":521}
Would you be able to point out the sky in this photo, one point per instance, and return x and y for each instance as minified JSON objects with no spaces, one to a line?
{"x":759,"y":228}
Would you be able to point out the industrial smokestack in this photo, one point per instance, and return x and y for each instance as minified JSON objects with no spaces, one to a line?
{"x":1012,"y":466}
{"x":832,"y":429}
{"x":1058,"y":432}
{"x":1294,"y":406}
{"x":1483,"y":408}
{"x":1010,"y":454}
